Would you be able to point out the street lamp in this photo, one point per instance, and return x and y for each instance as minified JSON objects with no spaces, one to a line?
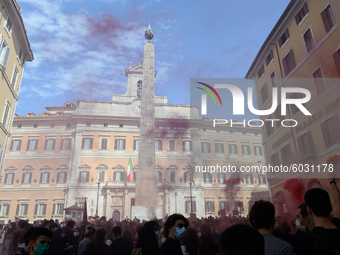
{"x":99,"y":172}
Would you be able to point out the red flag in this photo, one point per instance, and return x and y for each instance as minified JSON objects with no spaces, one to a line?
{"x":85,"y":211}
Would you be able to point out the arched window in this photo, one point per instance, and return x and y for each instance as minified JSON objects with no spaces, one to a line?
{"x":279,"y":202}
{"x":139,"y":89}
{"x":314,"y":183}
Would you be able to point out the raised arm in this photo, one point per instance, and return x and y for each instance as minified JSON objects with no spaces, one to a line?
{"x":336,"y":197}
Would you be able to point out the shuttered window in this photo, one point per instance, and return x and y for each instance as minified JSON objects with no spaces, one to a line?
{"x":289,"y":62}
{"x":136,"y":144}
{"x":32,"y":144}
{"x":232,"y":149}
{"x":26,"y":178}
{"x":49,"y":144}
{"x":104,"y":142}
{"x":301,"y":14}
{"x":15,"y":76}
{"x":209,"y":207}
{"x":219,"y":148}
{"x":205,"y":147}
{"x":5,"y":118}
{"x":65,"y":144}
{"x":336,"y":57}
{"x":306,"y":144}
{"x":186,"y":145}
{"x":4,"y":210}
{"x":327,"y":18}
{"x":258,"y":150}
{"x":83,"y":176}
{"x":308,"y":38}
{"x":330,"y":131}
{"x":269,"y":58}
{"x":245,"y":149}
{"x":119,"y":144}
{"x":61,"y":178}
{"x":45,"y":177}
{"x":172,"y":177}
{"x":158,"y":145}
{"x":224,"y":205}
{"x":172,"y":145}
{"x":207,"y":177}
{"x":87,"y":144}
{"x":188,"y":207}
{"x":284,"y":38}
{"x":4,"y":53}
{"x":16,"y":145}
{"x":319,"y":82}
{"x":249,"y":179}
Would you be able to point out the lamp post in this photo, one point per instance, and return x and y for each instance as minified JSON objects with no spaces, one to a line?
{"x":99,"y":171}
{"x":192,"y":208}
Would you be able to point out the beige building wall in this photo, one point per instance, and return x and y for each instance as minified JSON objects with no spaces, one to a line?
{"x":14,"y":52}
{"x":117,"y":196}
{"x":315,"y":47}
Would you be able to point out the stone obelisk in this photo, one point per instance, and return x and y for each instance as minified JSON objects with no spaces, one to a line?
{"x":146,"y":181}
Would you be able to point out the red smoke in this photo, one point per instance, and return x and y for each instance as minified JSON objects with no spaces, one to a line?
{"x":296,"y":191}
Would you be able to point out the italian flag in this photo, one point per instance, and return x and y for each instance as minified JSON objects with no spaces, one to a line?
{"x":130,"y":169}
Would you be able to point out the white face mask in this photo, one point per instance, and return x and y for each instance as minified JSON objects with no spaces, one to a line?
{"x":299,"y":226}
{"x":163,"y":239}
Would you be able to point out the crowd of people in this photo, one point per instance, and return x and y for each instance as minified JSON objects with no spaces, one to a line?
{"x":316,"y":230}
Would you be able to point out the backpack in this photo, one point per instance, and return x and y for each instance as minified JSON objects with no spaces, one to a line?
{"x":326,"y":243}
{"x":137,"y":251}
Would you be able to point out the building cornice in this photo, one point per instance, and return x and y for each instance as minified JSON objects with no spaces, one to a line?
{"x":12,"y":8}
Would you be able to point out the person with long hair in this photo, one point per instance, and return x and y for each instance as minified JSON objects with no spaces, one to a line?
{"x":98,"y":246}
{"x":147,"y":238}
{"x":208,"y":245}
{"x":7,"y":238}
{"x":174,"y":231}
{"x":89,"y":234}
{"x":109,"y":238}
{"x":190,"y":243}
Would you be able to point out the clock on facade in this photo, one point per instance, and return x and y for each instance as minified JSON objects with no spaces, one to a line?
{"x":136,"y":106}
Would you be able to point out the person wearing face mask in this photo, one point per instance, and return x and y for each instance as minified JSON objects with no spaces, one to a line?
{"x":40,"y":240}
{"x":148,"y":238}
{"x":57,"y":243}
{"x":326,"y":234}
{"x":303,"y":225}
{"x":69,"y":238}
{"x":174,"y":231}
{"x":7,"y":238}
{"x":303,"y":222}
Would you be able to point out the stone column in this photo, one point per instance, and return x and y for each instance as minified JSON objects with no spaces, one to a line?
{"x":146,"y":183}
{"x":75,"y":156}
{"x":108,"y":212}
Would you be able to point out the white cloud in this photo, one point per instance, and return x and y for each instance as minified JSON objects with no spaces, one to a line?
{"x":80,"y":54}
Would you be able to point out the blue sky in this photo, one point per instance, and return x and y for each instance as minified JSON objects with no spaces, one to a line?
{"x":82,"y":47}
